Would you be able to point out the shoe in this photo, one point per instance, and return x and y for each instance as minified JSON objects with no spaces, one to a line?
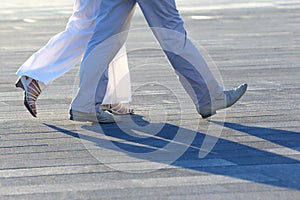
{"x":100,"y":116}
{"x":32,"y":90}
{"x":117,"y":109}
{"x":225,"y":100}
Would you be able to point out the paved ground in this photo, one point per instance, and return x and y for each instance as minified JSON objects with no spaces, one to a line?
{"x":156,"y":153}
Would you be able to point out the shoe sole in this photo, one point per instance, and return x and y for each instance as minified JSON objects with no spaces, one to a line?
{"x":88,"y":119}
{"x":208,"y":115}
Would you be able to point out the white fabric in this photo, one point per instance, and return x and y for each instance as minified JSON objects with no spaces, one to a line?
{"x":65,"y":50}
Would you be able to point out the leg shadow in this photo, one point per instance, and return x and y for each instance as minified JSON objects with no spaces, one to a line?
{"x":227,"y":158}
{"x":284,"y":138}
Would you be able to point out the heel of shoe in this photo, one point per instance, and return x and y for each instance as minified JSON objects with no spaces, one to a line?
{"x":207,"y":115}
{"x":206,"y":111}
{"x":19,"y":84}
{"x":77,"y":119}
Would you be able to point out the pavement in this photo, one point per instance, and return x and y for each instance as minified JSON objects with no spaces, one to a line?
{"x":164,"y":151}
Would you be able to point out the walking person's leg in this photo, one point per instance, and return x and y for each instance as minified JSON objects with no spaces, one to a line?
{"x":62,"y":52}
{"x":109,"y":36}
{"x":194,"y":74}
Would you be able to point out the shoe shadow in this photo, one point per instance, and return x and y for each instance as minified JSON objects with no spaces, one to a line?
{"x":289,"y":139}
{"x":228,"y":158}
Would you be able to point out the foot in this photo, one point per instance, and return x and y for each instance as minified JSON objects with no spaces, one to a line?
{"x":225,"y":100}
{"x":100,"y":116}
{"x":31,"y":92}
{"x":117,"y":109}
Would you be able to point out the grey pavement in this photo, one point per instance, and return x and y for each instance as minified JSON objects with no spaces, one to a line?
{"x":165,"y":150}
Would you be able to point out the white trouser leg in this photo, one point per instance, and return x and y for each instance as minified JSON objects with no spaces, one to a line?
{"x":65,"y":50}
{"x":119,"y":87}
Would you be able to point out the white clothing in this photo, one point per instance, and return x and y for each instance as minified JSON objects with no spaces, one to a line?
{"x":65,"y":50}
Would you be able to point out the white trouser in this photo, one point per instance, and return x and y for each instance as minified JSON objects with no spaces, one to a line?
{"x":65,"y":50}
{"x":167,"y":26}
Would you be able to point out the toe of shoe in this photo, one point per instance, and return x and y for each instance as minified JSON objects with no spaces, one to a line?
{"x":235,"y":95}
{"x":107,"y":118}
{"x":242,"y":89}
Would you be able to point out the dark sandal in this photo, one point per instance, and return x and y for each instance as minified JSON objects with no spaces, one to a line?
{"x":31,"y":92}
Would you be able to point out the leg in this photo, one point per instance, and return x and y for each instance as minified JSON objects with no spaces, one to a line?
{"x":108,"y":38}
{"x":192,"y":69}
{"x":64,"y":50}
{"x":59,"y":55}
{"x":185,"y":58}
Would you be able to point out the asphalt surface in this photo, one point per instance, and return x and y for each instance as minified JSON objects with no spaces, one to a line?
{"x":165,"y":150}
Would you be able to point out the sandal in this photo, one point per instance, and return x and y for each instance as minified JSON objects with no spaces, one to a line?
{"x":32,"y":90}
{"x":117,"y":109}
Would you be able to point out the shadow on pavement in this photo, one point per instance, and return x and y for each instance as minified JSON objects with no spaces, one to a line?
{"x":239,"y":160}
